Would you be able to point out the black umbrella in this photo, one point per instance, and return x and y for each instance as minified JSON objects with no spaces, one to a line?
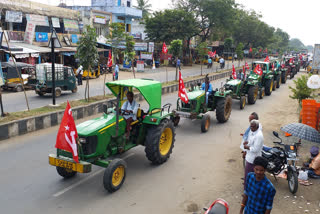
{"x":302,"y":131}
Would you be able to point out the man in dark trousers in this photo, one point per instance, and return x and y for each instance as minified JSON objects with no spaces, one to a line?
{"x":259,"y":191}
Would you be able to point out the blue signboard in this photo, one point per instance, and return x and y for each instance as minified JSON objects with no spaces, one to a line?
{"x":41,"y":37}
{"x":126,"y":64}
{"x":74,"y":38}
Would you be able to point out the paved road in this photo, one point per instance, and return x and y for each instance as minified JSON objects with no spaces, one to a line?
{"x":201,"y":168}
{"x":15,"y":101}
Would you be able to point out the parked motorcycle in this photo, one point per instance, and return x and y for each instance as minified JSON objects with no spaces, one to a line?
{"x":219,"y":206}
{"x":284,"y":157}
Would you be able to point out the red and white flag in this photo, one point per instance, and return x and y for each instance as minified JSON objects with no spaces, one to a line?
{"x":247,"y":66}
{"x":258,"y":70}
{"x":182,"y":90}
{"x":234,"y":73}
{"x":272,"y":66}
{"x":291,"y":60}
{"x":214,"y":54}
{"x":109,"y":59}
{"x":267,"y":59}
{"x":164,"y":48}
{"x":67,"y":134}
{"x":260,"y":50}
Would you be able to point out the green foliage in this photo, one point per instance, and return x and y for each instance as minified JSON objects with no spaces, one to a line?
{"x":145,"y":6}
{"x":87,"y":50}
{"x":202,"y":50}
{"x":228,"y":44}
{"x":239,"y":50}
{"x":296,"y":44}
{"x":117,"y":35}
{"x":168,"y":25}
{"x":129,"y":51}
{"x":175,"y":47}
{"x":301,"y":90}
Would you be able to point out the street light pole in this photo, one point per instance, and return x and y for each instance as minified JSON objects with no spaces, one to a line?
{"x":53,"y":71}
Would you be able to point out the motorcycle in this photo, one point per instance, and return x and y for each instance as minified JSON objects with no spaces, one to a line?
{"x":284,"y":157}
{"x":219,"y":206}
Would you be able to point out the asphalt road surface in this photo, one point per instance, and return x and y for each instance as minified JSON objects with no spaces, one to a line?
{"x":15,"y":101}
{"x":201,"y":168}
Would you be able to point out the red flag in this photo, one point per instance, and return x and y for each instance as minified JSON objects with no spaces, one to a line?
{"x":109,"y":59}
{"x":267,"y":59}
{"x":67,"y":134}
{"x":210,"y":53}
{"x":258,"y":70}
{"x":214,"y":53}
{"x":250,"y":50}
{"x":291,"y":60}
{"x":164,"y":48}
{"x":182,"y":90}
{"x":272,"y":66}
{"x":247,"y":66}
{"x":234,"y":74}
{"x":282,"y":66}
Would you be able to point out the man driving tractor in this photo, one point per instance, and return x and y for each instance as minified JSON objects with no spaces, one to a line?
{"x":129,"y":112}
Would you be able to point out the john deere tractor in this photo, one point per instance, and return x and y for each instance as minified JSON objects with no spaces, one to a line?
{"x":102,"y":138}
{"x":201,"y":102}
{"x":242,"y":88}
{"x":266,"y":80}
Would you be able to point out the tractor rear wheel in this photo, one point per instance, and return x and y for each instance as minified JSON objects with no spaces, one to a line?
{"x":205,"y":123}
{"x":284,"y":76}
{"x":252,"y":94}
{"x":66,"y":173}
{"x":274,"y":87}
{"x":261,"y":93}
{"x":242,"y":102}
{"x":223,"y":109}
{"x":268,"y":87}
{"x":160,"y":142}
{"x":278,"y":81}
{"x":114,"y":175}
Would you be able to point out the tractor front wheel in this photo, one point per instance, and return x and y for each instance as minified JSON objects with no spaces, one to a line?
{"x":66,"y":173}
{"x":205,"y":123}
{"x":252,"y":94}
{"x":160,"y":142}
{"x":268,"y":87}
{"x":261,"y":93}
{"x":242,"y":102}
{"x":284,"y":76}
{"x":274,"y":87}
{"x":223,"y":109}
{"x":114,"y":175}
{"x":278,"y":81}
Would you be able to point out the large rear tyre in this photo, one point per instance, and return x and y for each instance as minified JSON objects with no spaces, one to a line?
{"x":253,"y":94}
{"x":223,"y":109}
{"x":242,"y":102}
{"x":261,"y":93}
{"x":160,"y":142}
{"x":268,"y":87}
{"x":284,"y":76}
{"x":66,"y":173}
{"x":205,"y":123}
{"x":292,"y":181}
{"x":114,"y":175}
{"x":278,"y":81}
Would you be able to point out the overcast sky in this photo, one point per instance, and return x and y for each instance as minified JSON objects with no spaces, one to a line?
{"x":297,"y":17}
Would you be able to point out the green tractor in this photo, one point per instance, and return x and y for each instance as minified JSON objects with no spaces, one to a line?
{"x":103,"y":138}
{"x":266,"y":80}
{"x":201,"y":102}
{"x":240,"y":89}
{"x":280,"y":74}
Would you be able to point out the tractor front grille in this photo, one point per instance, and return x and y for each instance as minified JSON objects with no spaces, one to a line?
{"x":90,"y":146}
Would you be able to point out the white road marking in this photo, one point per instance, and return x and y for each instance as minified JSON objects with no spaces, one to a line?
{"x":85,"y":179}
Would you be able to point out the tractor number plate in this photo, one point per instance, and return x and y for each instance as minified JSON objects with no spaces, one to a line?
{"x":65,"y":164}
{"x":68,"y":163}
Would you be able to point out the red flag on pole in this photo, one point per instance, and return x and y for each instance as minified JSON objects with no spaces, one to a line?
{"x":182,"y":90}
{"x":109,"y":59}
{"x":291,"y":60}
{"x":267,"y":59}
{"x":67,"y":134}
{"x":258,"y":70}
{"x":234,"y":74}
{"x":164,"y":48}
{"x":214,"y":53}
{"x":247,"y":66}
{"x":250,"y":50}
{"x":272,"y":66}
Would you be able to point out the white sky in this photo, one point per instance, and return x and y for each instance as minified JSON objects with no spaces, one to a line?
{"x":297,"y":17}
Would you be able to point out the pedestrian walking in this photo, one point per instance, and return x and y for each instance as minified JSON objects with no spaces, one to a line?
{"x":116,"y":72}
{"x":79,"y":73}
{"x":179,"y":64}
{"x":221,"y":61}
{"x":259,"y":192}
{"x":253,"y":147}
{"x":209,"y":63}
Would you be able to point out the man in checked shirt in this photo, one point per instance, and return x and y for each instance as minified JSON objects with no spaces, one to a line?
{"x":259,"y":191}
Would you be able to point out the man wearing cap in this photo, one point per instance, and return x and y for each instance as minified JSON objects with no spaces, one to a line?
{"x":253,"y":145}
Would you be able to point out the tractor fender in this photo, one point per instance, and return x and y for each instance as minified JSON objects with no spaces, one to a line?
{"x":222,"y":94}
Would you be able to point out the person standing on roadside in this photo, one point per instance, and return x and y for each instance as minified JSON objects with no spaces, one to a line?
{"x":79,"y":73}
{"x":259,"y":192}
{"x":221,"y":61}
{"x":179,"y":64}
{"x":253,"y":147}
{"x":116,"y":72}
{"x":209,"y":63}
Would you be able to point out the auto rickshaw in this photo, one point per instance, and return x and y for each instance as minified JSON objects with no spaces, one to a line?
{"x":13,"y":79}
{"x":64,"y":79}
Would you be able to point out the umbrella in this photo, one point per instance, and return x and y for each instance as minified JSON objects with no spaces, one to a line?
{"x":314,"y":82}
{"x":302,"y":131}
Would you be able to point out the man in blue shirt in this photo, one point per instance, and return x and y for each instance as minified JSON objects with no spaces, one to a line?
{"x":207,"y":87}
{"x":178,"y":63}
{"x":259,"y":192}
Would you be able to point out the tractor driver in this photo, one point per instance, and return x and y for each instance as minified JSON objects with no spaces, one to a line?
{"x":207,"y":87}
{"x":129,"y":111}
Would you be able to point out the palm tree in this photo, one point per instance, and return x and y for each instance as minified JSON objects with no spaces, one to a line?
{"x":145,"y":6}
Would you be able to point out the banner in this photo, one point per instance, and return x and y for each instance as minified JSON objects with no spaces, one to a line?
{"x":141,"y":46}
{"x":37,"y":19}
{"x":1,"y":76}
{"x":29,"y":33}
{"x":100,"y":19}
{"x":146,"y":55}
{"x":126,"y":64}
{"x":140,"y":65}
{"x":15,"y":36}
{"x":13,"y":16}
{"x":41,"y":37}
{"x":74,"y":38}
{"x":165,"y":56}
{"x":71,"y":25}
{"x":151,"y":47}
{"x":136,"y":35}
{"x":55,"y":22}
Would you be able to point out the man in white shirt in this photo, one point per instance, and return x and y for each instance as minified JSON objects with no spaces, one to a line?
{"x":129,"y":112}
{"x":253,"y":145}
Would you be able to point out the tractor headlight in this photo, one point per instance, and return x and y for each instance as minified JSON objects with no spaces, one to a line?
{"x":82,"y":140}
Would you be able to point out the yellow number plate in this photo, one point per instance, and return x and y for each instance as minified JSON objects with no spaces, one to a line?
{"x":65,"y":164}
{"x":68,"y":163}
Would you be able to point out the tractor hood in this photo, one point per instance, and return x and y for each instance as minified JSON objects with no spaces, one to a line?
{"x":92,"y":126}
{"x":233,"y":82}
{"x":194,"y":94}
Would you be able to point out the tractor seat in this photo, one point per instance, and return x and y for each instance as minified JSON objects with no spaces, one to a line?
{"x":140,"y":115}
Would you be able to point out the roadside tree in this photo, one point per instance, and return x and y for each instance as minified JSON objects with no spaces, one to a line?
{"x":117,"y":35}
{"x":129,"y":51}
{"x":202,"y":51}
{"x":175,"y":49}
{"x":145,"y":6}
{"x":301,"y":90}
